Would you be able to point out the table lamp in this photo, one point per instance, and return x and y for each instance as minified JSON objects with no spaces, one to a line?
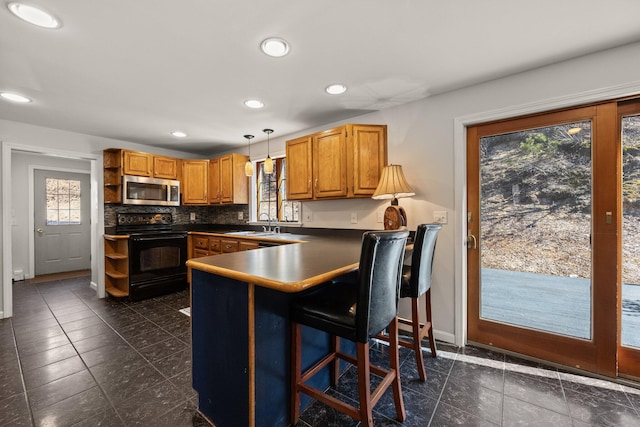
{"x":393,"y":185}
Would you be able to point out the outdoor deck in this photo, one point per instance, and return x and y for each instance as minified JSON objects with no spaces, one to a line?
{"x":556,"y":304}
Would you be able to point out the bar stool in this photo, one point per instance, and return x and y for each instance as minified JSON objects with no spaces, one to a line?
{"x":356,"y":311}
{"x":416,"y":281}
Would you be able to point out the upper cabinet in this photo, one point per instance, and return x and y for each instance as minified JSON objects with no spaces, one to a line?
{"x":195,"y":174}
{"x":118,"y":162}
{"x":166,"y":167}
{"x":228,"y":183}
{"x":136,"y":163}
{"x":344,"y":162}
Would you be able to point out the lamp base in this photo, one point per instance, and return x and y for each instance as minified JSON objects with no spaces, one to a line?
{"x":394,"y":218}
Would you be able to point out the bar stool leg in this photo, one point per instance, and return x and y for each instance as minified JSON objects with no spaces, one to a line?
{"x":364,"y":385}
{"x":394,"y":362}
{"x":335,"y":371}
{"x":432,"y":341}
{"x":417,"y":349}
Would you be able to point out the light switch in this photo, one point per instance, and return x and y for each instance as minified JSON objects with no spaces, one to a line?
{"x":354,"y":217}
{"x":192,"y":216}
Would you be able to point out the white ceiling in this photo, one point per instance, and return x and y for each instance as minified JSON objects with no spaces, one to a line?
{"x":136,"y":70}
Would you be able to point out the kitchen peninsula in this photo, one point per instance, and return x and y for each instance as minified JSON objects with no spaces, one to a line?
{"x":240,"y":324}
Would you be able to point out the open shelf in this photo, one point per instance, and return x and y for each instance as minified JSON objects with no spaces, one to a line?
{"x":116,"y":265}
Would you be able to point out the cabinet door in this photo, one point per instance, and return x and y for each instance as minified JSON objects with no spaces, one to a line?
{"x":214,"y":181}
{"x":165,"y":167}
{"x":299,"y":168}
{"x":330,"y":164}
{"x":195,"y":175}
{"x":136,"y":163}
{"x":369,"y":150}
{"x":226,"y":179}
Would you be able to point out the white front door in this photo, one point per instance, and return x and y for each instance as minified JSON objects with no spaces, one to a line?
{"x":62,"y":221}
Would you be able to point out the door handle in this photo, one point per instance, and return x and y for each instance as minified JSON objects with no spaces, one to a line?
{"x":472,"y":242}
{"x":40,"y":230}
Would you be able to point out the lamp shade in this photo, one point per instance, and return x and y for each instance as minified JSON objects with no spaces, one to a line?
{"x":392,"y":184}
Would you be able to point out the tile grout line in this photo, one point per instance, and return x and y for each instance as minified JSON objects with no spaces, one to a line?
{"x":24,"y":385}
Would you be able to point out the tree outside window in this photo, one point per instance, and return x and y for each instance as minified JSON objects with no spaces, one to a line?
{"x":272,"y":194}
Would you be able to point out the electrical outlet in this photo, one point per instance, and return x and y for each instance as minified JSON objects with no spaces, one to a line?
{"x":354,"y":217}
{"x":308,"y":216}
{"x":192,"y":216}
{"x":240,"y":215}
{"x":380,"y":218}
{"x":440,"y":217}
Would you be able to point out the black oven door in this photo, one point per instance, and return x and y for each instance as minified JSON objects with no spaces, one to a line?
{"x":157,"y":264}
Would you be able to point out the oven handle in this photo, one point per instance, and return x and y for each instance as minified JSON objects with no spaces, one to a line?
{"x":146,"y":239}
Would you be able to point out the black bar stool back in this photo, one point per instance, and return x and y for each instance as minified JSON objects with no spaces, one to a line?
{"x":416,"y":281}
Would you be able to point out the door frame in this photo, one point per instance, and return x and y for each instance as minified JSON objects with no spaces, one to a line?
{"x":32,"y":211}
{"x":460,"y":177}
{"x":97,"y":218}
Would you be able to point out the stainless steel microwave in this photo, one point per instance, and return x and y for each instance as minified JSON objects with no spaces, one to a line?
{"x":140,"y":190}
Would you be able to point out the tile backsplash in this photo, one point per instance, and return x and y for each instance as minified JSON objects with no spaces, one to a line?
{"x":227,"y":214}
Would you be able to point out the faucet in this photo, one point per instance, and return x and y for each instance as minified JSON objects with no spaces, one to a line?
{"x":264,"y":228}
{"x":275,"y":228}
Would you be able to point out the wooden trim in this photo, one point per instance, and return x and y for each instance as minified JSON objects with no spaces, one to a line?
{"x":252,"y":354}
{"x":598,"y":354}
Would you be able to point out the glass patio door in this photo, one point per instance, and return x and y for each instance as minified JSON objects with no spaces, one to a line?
{"x":542,"y":236}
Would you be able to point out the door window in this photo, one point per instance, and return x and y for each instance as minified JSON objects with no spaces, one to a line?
{"x":63,"y":201}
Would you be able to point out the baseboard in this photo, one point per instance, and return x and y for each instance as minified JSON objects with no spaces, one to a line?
{"x":444,"y":336}
{"x":439,"y":335}
{"x":1,"y":314}
{"x":93,"y":285}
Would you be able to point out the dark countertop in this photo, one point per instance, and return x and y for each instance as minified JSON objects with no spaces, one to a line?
{"x":294,"y":267}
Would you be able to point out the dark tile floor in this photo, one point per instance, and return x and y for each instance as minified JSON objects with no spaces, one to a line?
{"x":68,"y":358}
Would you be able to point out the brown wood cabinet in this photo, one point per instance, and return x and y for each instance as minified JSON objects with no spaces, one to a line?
{"x":300,"y":168}
{"x":116,"y":265}
{"x":112,"y":163}
{"x":194,"y":182}
{"x":136,"y":163}
{"x":166,"y":167}
{"x":228,"y":183}
{"x":344,"y":162}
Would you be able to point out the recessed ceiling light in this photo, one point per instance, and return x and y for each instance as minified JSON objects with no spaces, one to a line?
{"x":178,"y":134}
{"x":254,"y":103}
{"x":34,"y":15}
{"x":15,"y":97}
{"x":336,"y":89}
{"x":275,"y":47}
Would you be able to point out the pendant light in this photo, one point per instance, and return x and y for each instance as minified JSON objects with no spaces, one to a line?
{"x":268,"y":162}
{"x":248,"y":167}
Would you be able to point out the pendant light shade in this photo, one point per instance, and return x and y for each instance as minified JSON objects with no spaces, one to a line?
{"x":248,"y":167}
{"x":268,"y":162}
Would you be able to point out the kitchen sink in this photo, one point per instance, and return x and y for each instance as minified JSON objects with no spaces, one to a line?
{"x":244,"y":233}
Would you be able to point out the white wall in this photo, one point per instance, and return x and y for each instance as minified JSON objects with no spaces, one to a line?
{"x":424,"y":139}
{"x":20,"y":233}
